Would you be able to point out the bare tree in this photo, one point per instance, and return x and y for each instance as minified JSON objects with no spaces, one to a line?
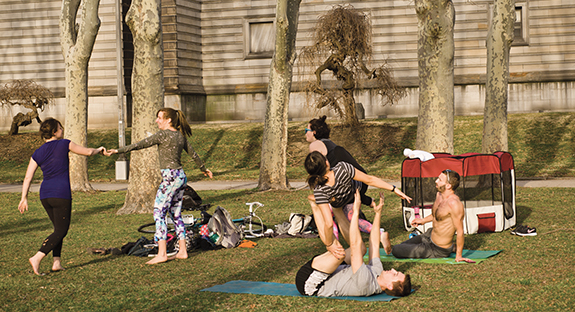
{"x":274,"y":141}
{"x":77,"y":41}
{"x":28,"y":94}
{"x":342,"y":45}
{"x":143,"y":18}
{"x":499,"y":39}
{"x":436,"y":19}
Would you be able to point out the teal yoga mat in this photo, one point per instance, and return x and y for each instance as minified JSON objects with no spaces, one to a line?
{"x":278,"y":289}
{"x":476,"y":255}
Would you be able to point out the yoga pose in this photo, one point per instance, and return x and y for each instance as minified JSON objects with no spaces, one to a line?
{"x":447,"y":219}
{"x":325,"y":275}
{"x":171,"y":140}
{"x":336,"y":187}
{"x":55,"y":193}
{"x":317,"y":134}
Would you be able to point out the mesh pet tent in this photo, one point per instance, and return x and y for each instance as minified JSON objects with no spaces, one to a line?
{"x":486,"y":189}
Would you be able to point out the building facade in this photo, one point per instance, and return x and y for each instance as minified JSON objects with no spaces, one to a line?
{"x":217,"y":56}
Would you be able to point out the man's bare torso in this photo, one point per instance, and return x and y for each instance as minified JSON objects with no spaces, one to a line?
{"x":443,"y":227}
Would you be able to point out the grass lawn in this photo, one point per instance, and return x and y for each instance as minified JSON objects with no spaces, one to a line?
{"x":531,"y":274}
{"x":542,"y":146}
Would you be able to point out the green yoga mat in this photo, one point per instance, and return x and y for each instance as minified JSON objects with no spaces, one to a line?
{"x":476,"y":255}
{"x":278,"y":289}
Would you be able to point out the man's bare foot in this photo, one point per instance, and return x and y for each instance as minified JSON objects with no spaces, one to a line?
{"x":385,"y":242}
{"x":158,"y":259}
{"x":35,"y":262}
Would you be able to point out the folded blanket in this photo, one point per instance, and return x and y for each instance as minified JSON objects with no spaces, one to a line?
{"x":278,"y":289}
{"x":476,"y":255}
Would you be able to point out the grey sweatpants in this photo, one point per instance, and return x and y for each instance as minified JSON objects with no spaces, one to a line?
{"x":420,"y":246}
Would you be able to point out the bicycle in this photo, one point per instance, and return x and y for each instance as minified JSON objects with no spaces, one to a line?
{"x":252,"y":225}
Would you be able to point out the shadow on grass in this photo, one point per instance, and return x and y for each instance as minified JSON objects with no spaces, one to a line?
{"x":523,"y":213}
{"x":218,"y":137}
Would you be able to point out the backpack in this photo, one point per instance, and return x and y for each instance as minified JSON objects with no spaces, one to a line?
{"x":221,"y":224}
{"x":191,"y":199}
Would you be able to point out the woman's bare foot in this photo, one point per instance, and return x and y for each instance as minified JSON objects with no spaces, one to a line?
{"x":57,"y":265}
{"x":158,"y":259}
{"x":180,"y":255}
{"x":385,"y":242}
{"x":35,"y":262}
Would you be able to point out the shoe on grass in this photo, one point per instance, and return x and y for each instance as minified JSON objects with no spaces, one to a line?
{"x":526,"y":231}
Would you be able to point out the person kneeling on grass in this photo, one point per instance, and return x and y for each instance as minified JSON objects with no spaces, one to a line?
{"x":325,"y":275}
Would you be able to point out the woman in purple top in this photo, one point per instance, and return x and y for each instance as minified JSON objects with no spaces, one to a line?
{"x":55,"y":193}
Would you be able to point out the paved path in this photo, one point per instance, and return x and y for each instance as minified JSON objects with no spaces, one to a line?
{"x":242,"y":185}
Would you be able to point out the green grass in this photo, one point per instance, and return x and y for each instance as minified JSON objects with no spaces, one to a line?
{"x":531,"y":274}
{"x":542,"y":146}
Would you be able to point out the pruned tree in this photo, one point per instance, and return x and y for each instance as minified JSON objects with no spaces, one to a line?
{"x":435,"y":53}
{"x":274,"y":142}
{"x":499,"y":39}
{"x":77,"y":41}
{"x":342,"y":46}
{"x":143,"y":19}
{"x":28,"y":94}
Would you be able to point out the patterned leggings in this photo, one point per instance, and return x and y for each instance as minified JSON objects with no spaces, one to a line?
{"x":364,"y":225}
{"x":169,"y":199}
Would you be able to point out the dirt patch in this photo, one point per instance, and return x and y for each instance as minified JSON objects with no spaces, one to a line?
{"x":19,"y":148}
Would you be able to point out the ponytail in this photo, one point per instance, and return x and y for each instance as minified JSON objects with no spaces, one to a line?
{"x":316,"y":167}
{"x":178,"y":120}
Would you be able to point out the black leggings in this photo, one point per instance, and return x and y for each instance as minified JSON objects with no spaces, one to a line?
{"x":59,"y":210}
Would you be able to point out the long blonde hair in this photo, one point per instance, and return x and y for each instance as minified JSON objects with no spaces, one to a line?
{"x":178,"y":120}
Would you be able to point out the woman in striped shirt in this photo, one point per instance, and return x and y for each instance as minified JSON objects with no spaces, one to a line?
{"x":336,"y":187}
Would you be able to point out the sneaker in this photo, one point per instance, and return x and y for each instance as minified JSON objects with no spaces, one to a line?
{"x":519,"y":228}
{"x":526,"y":231}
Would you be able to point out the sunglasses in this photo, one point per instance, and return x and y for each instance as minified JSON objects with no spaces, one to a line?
{"x":306,"y":130}
{"x":447,"y":171}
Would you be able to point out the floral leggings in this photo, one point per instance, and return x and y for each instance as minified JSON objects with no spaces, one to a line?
{"x":169,"y":200}
{"x":364,"y":225}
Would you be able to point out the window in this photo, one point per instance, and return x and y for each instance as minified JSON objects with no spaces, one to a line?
{"x":521,"y":26}
{"x":520,"y":29}
{"x":259,"y":38}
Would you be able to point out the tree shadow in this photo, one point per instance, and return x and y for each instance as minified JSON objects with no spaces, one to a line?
{"x":218,"y":137}
{"x":251,"y":149}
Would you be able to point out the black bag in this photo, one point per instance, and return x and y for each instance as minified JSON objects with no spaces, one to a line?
{"x":191,"y":199}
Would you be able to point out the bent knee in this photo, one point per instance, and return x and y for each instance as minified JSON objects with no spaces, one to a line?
{"x":311,"y":198}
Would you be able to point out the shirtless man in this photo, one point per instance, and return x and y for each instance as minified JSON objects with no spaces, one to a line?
{"x":447,"y":219}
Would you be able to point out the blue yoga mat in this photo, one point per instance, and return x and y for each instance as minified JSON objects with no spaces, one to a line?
{"x":476,"y":255}
{"x":277,"y":289}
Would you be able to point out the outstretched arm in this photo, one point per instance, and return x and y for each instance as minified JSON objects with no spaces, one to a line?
{"x":374,"y":236}
{"x":379,"y":183}
{"x":457,"y":215}
{"x":86,"y":151}
{"x":357,"y":247}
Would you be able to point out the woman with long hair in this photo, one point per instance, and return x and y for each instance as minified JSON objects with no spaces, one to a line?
{"x":171,"y":140}
{"x":55,"y":192}
{"x":335,"y":187}
{"x":317,"y":134}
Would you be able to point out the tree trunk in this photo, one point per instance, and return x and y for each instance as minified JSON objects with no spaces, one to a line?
{"x":436,"y":19}
{"x":143,"y":18}
{"x":499,"y":39}
{"x":274,"y":141}
{"x":77,"y":43}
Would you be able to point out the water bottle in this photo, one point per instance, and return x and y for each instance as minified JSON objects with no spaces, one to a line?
{"x":413,"y":234}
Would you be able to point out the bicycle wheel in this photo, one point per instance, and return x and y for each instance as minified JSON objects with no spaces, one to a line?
{"x":150,"y":228}
{"x":257,"y":229}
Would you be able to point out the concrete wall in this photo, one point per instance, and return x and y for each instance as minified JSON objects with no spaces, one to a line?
{"x":212,"y":75}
